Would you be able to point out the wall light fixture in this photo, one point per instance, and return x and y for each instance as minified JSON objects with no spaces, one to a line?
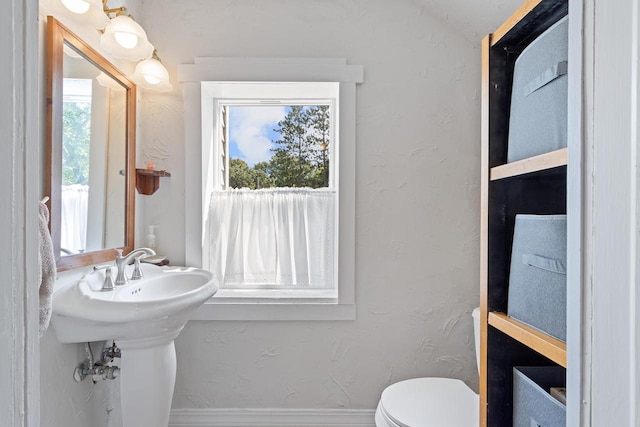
{"x":92,"y":11}
{"x":124,"y":38}
{"x":151,"y":74}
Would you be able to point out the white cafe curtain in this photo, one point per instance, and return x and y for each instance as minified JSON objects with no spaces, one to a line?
{"x":73,"y":227}
{"x":280,"y":238}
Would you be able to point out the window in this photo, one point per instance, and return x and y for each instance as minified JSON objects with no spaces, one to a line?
{"x":276,"y":149}
{"x":272,"y":218}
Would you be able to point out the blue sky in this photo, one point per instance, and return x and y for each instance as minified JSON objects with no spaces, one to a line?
{"x":251,"y":131}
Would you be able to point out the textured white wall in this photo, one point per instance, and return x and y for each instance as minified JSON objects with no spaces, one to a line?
{"x":472,"y":19}
{"x":417,"y":202}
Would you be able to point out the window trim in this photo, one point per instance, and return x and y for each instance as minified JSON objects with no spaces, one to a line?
{"x":199,"y":156}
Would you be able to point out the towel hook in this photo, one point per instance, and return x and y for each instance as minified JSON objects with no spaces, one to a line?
{"x":45,"y":199}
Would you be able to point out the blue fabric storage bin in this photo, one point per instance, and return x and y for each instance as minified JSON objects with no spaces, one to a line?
{"x":539,"y":100}
{"x":533,"y":406}
{"x":537,"y":279}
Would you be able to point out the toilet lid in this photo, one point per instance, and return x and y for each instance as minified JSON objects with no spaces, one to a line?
{"x":422,"y":402}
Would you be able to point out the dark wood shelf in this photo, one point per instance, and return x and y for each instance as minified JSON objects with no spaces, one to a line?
{"x":548,"y":346}
{"x":148,"y":180}
{"x":539,"y":163}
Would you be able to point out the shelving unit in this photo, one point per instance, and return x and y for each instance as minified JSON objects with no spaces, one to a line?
{"x":536,"y":185}
{"x":539,"y":163}
{"x":550,"y":347}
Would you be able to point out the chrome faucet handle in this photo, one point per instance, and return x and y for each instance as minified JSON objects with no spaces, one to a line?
{"x":137,"y":271}
{"x":121,"y":279}
{"x":108,"y":280}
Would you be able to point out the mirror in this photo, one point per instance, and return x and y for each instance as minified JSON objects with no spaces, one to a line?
{"x":90,"y":174}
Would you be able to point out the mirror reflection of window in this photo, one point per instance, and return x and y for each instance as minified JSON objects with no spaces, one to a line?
{"x":76,"y":143}
{"x":93,"y":156}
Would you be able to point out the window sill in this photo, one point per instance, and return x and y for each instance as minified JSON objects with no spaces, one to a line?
{"x":288,"y":305}
{"x":275,"y":296}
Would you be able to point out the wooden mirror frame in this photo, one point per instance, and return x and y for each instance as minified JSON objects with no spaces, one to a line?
{"x":57,"y":35}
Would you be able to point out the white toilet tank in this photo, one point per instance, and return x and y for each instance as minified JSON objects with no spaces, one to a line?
{"x":476,"y":333}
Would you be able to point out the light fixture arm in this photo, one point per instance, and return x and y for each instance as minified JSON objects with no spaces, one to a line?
{"x":118,"y":10}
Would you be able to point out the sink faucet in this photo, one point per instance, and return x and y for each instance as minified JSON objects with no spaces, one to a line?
{"x":123,"y":261}
{"x":108,"y":279}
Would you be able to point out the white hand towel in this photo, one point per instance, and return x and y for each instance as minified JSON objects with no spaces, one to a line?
{"x":47,"y":268}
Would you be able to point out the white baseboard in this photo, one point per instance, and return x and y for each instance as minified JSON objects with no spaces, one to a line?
{"x":214,"y":417}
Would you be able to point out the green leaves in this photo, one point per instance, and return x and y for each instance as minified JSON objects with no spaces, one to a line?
{"x":76,"y":142}
{"x":241,"y":176}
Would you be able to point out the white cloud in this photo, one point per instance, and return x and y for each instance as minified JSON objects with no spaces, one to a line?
{"x":251,"y":128}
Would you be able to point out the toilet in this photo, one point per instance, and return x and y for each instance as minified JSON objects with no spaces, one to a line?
{"x":431,"y":402}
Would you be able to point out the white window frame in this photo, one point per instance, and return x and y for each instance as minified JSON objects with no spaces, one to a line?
{"x":247,"y":94}
{"x":199,"y":159}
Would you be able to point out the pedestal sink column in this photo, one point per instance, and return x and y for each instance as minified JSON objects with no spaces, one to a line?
{"x":147,"y":380}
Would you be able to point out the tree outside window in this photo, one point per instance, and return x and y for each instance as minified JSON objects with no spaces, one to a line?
{"x":299,"y":153}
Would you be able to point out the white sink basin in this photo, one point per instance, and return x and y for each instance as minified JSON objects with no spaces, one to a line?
{"x":143,"y":317}
{"x":156,"y":306}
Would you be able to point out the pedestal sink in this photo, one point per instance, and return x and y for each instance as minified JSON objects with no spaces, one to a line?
{"x":143,"y":317}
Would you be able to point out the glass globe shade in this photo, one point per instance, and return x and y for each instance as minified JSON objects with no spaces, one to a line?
{"x":76,"y":6}
{"x":107,"y":81}
{"x":126,"y":40}
{"x":152,"y":79}
{"x":151,"y":74}
{"x":92,"y":11}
